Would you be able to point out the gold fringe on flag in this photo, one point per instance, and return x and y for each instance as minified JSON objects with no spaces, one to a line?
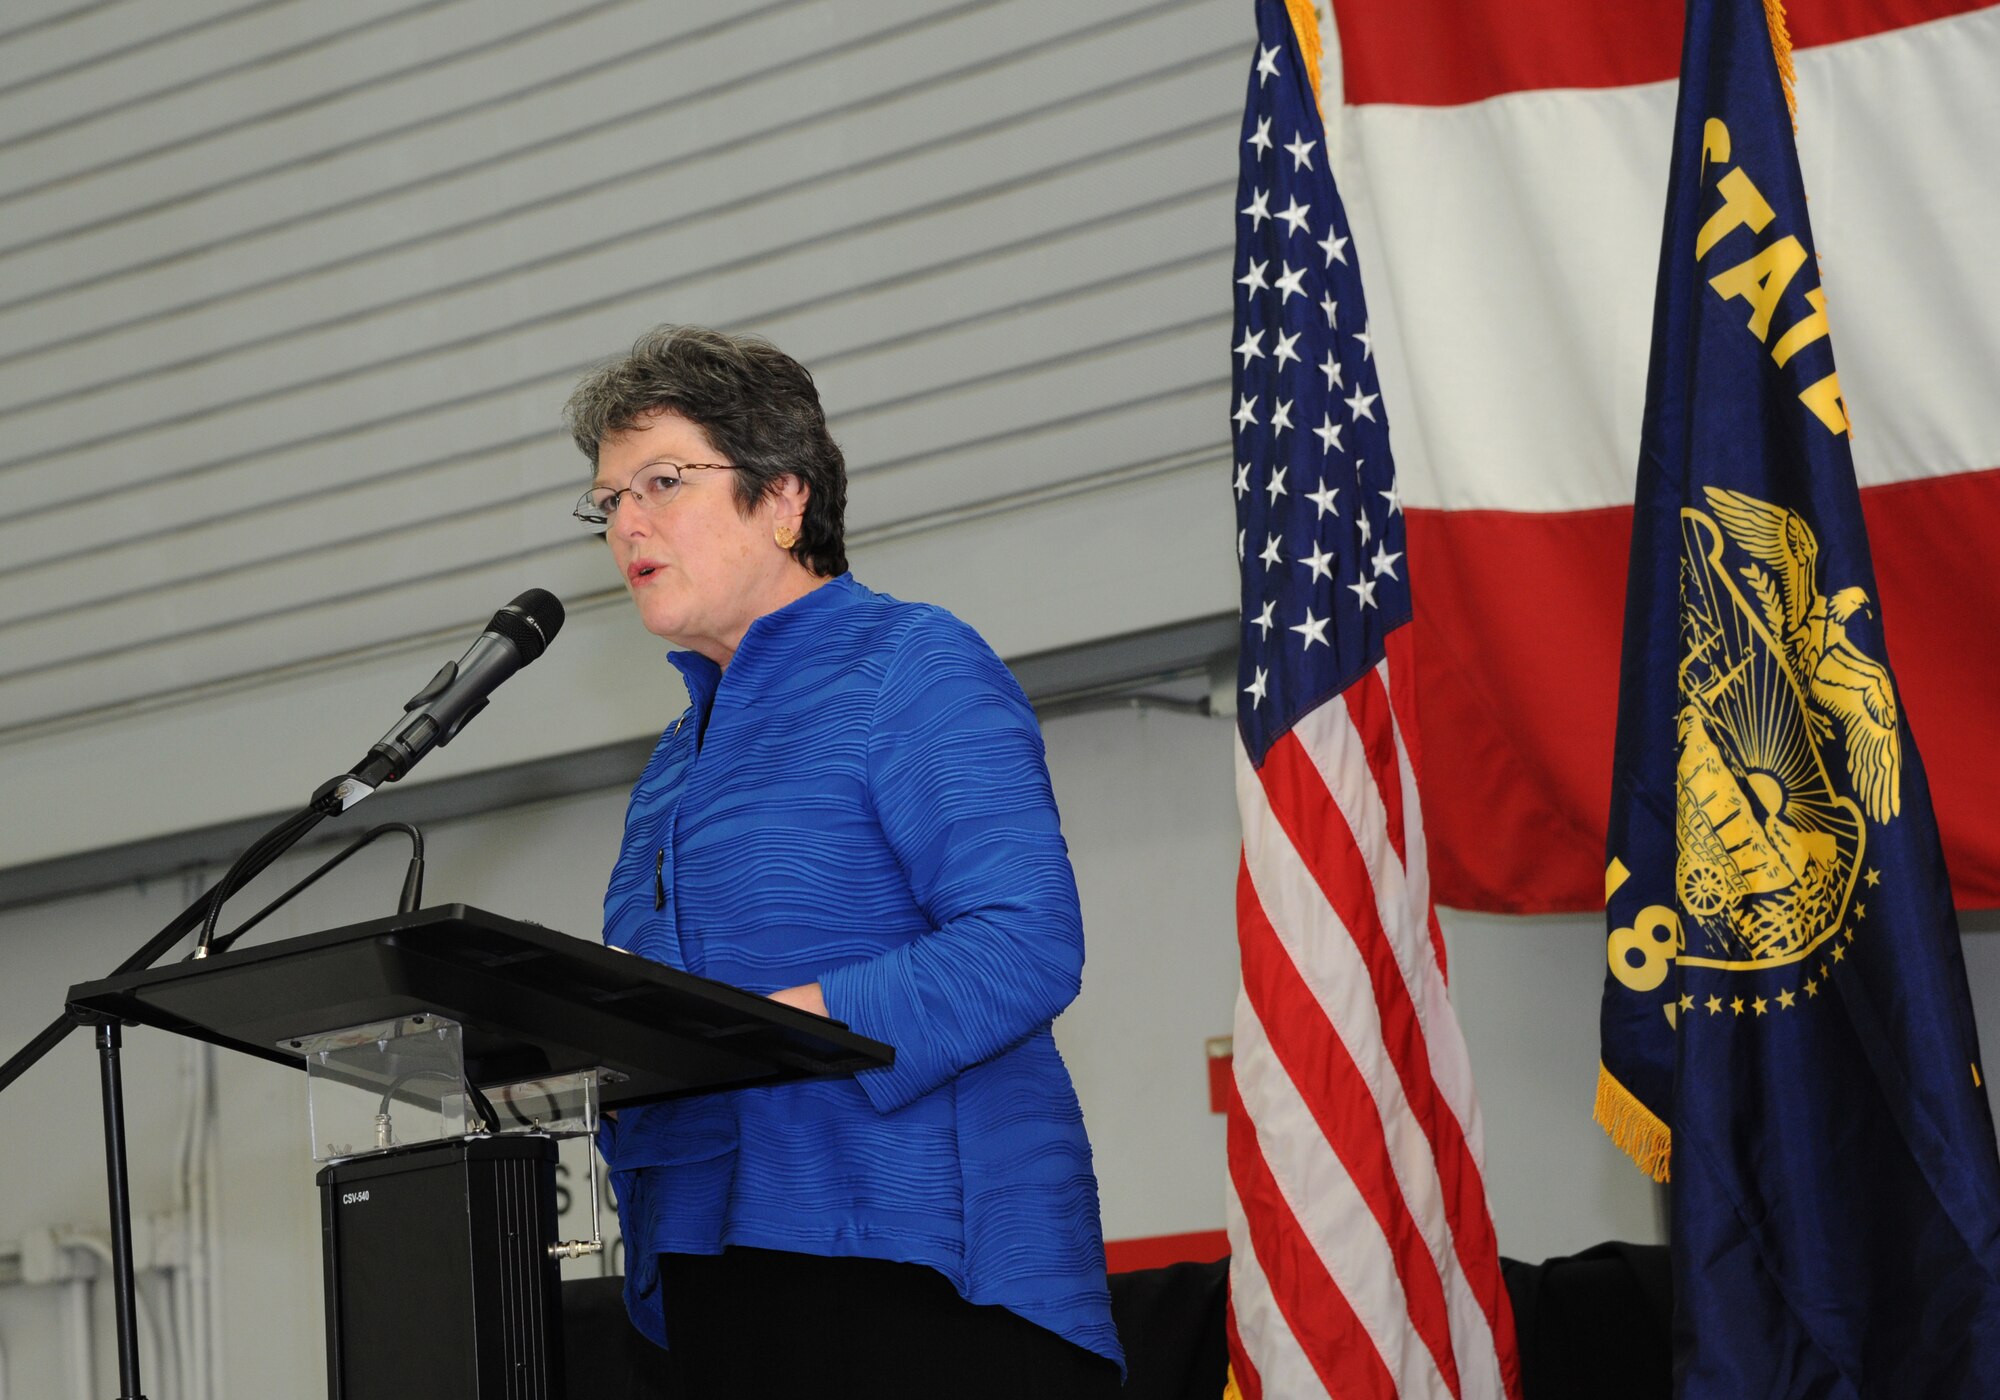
{"x":1781,"y":48}
{"x":1230,"y":1390}
{"x":1636,"y":1130}
{"x":1305,"y":24}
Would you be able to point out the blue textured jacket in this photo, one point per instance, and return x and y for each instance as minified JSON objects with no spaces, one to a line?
{"x":862,"y":800}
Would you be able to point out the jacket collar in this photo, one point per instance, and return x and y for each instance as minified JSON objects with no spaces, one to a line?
{"x":768,"y":649}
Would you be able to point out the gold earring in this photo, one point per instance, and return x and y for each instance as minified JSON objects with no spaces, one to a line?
{"x":786,"y":536}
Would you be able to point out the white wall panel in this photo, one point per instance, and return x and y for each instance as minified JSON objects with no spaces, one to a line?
{"x":1164,"y":423}
{"x":238,"y":480}
{"x":323,"y":372}
{"x":722,"y":93}
{"x":50,"y":40}
{"x":291,"y":295}
{"x":1014,"y":246}
{"x":405,"y":72}
{"x":69,"y":122}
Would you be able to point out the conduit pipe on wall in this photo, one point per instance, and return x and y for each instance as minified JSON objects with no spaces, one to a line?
{"x":210,"y":1278}
{"x":74,"y":1260}
{"x":183,"y":1291}
{"x":193,"y":1303}
{"x":82,"y":1346}
{"x":148,"y":1314}
{"x":199,"y":1322}
{"x":37,"y":1258}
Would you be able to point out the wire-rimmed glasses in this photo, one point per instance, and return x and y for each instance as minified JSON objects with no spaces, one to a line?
{"x":653,"y":487}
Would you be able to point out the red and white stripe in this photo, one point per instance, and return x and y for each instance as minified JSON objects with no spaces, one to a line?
{"x":1363,"y":1257}
{"x":1504,"y":163}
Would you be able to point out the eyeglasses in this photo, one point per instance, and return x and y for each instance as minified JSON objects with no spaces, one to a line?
{"x":654,"y":488}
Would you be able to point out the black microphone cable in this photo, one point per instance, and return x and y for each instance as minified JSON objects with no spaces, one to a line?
{"x":413,"y":880}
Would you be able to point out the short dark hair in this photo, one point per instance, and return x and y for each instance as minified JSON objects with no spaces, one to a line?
{"x":757,"y":405}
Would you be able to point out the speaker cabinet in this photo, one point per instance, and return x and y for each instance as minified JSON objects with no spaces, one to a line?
{"x":439,"y":1281}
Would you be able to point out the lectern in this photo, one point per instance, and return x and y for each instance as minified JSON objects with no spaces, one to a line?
{"x":446,"y":1051}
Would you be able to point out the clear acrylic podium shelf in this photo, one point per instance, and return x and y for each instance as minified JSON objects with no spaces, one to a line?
{"x":398,"y":1083}
{"x":385,"y":1084}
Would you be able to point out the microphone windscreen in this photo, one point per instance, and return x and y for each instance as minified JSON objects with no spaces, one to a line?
{"x":530,"y":622}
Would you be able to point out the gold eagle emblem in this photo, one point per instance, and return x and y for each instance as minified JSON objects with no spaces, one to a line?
{"x":1783,"y":724}
{"x":1846,"y":685}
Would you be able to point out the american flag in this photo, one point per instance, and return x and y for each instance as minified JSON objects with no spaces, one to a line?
{"x":1363,"y":1258}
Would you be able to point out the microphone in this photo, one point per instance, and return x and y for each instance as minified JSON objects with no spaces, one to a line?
{"x":518,"y":634}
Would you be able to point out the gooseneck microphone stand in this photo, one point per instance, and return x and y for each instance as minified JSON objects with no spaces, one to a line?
{"x":328,"y":801}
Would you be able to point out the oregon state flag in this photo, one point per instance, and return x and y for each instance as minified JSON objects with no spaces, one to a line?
{"x":1787,"y":1032}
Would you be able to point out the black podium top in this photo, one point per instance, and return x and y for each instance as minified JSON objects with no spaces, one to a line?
{"x":533,"y":1002}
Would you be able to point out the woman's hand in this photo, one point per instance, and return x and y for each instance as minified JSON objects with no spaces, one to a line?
{"x":806,"y":998}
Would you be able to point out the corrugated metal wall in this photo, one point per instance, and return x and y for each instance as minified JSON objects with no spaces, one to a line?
{"x":291,"y":295}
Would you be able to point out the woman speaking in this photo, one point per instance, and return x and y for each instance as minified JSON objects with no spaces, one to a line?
{"x":853,"y":816}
